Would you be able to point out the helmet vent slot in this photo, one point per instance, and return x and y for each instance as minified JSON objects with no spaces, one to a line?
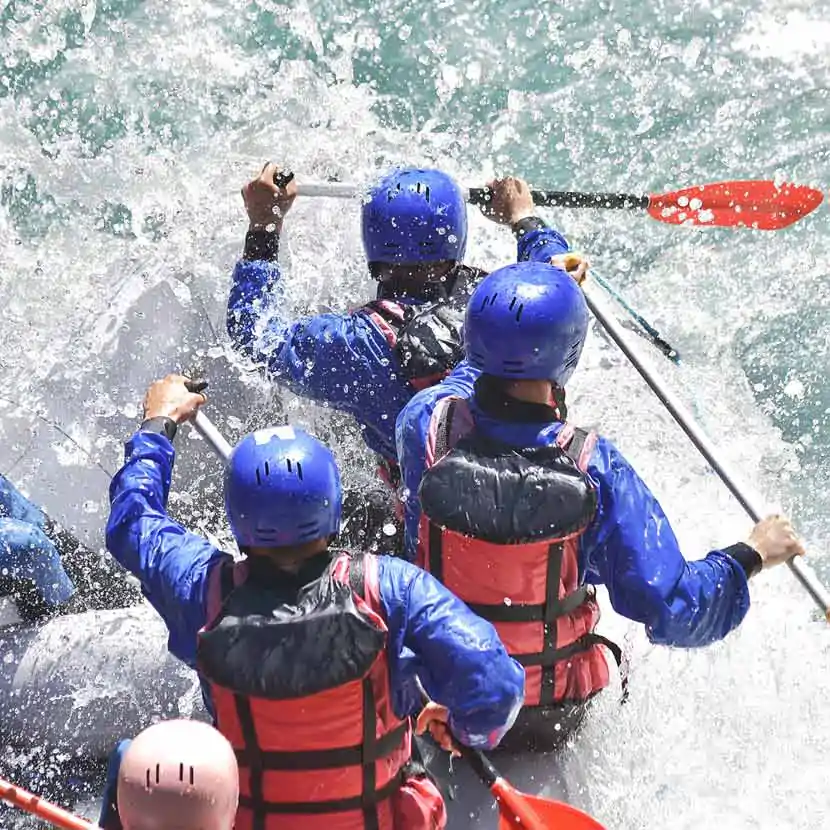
{"x":288,"y":464}
{"x":488,"y":300}
{"x":573,"y":356}
{"x":421,"y":189}
{"x":267,"y":469}
{"x":300,"y":470}
{"x":520,"y":309}
{"x":258,"y":477}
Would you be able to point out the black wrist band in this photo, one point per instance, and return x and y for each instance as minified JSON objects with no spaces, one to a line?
{"x":528,"y":224}
{"x":747,"y":557}
{"x":262,"y":245}
{"x":161,"y":425}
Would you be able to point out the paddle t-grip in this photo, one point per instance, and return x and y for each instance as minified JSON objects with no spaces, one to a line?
{"x":196,"y":386}
{"x":282,"y":178}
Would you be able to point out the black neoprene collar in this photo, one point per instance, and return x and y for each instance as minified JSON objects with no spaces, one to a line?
{"x":494,"y":401}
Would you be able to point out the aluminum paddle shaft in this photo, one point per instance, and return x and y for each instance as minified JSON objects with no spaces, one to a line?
{"x":803,"y":572}
{"x":206,"y":428}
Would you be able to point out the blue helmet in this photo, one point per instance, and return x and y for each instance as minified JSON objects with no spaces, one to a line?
{"x":415,"y":216}
{"x":282,"y":487}
{"x":527,"y":320}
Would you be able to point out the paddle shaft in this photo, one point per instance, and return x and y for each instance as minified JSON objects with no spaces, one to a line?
{"x":42,"y":809}
{"x":681,"y":415}
{"x":206,"y":428}
{"x":481,"y":195}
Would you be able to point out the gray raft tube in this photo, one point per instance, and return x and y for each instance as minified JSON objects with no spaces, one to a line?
{"x":83,"y":682}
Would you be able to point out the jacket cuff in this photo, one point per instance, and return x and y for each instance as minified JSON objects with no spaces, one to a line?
{"x":747,"y":557}
{"x":528,"y":224}
{"x":261,"y":246}
{"x":162,"y":426}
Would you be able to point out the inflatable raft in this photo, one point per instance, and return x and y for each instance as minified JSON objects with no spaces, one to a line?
{"x":82,"y":682}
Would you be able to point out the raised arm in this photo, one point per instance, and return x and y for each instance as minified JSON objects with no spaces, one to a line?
{"x":172,"y":563}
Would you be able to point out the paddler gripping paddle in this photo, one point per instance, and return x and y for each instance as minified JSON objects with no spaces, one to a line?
{"x":42,"y":809}
{"x":809,"y":581}
{"x":482,"y":196}
{"x":517,"y":810}
{"x":761,"y":205}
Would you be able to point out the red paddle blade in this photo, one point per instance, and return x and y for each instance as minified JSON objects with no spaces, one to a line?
{"x":762,"y":205}
{"x":519,"y":811}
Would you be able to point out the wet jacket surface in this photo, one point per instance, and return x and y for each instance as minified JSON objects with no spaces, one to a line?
{"x":26,"y":552}
{"x":343,"y":360}
{"x":629,"y":547}
{"x":457,"y":655}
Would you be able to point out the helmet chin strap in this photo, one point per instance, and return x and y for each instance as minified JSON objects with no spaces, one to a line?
{"x":557,"y":401}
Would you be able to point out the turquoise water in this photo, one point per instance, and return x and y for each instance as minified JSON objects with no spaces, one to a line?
{"x":127,"y":128}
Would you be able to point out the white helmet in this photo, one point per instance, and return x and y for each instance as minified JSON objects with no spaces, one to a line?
{"x":178,"y":775}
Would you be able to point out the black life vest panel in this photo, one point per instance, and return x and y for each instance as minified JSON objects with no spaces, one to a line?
{"x":427,"y":338}
{"x":301,"y":690}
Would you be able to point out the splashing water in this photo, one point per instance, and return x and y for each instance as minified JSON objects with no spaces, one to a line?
{"x":127,"y":128}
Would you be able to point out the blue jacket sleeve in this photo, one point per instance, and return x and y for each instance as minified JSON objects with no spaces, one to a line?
{"x":172,"y":564}
{"x":342,"y":360}
{"x":411,"y":432}
{"x":540,"y":245}
{"x":458,"y":656}
{"x":632,"y":548}
{"x":14,"y":505}
{"x":27,"y":554}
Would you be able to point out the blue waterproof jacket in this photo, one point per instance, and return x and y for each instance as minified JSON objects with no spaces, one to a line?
{"x":342,"y":360}
{"x":26,"y":553}
{"x":629,"y":547}
{"x":457,"y":655}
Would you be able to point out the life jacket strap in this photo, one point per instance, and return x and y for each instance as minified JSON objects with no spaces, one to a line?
{"x":503,"y":613}
{"x":366,"y":754}
{"x":340,"y":805}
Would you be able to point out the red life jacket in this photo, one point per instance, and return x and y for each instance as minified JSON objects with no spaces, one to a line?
{"x":318,"y":744}
{"x":500,"y":528}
